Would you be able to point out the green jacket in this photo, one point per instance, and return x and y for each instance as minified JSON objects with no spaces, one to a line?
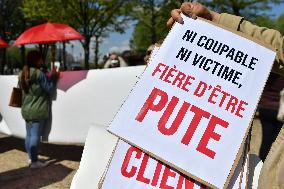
{"x":36,"y":103}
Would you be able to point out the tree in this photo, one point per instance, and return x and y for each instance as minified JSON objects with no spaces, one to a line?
{"x":14,"y":57}
{"x":277,"y":23}
{"x":90,"y":17}
{"x":151,"y":17}
{"x":250,"y":9}
{"x":97,"y":18}
{"x":11,"y":24}
{"x":41,"y":11}
{"x":280,"y":24}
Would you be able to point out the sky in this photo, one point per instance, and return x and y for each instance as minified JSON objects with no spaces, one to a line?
{"x":116,"y":42}
{"x":277,"y":10}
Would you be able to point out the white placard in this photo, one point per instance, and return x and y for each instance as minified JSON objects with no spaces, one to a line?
{"x":194,"y":102}
{"x":131,"y":168}
{"x":98,"y":149}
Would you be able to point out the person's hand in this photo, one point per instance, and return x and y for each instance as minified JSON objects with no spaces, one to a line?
{"x":55,"y":74}
{"x":192,"y":10}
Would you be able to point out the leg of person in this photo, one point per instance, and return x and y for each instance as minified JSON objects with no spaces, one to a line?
{"x":27,"y":140}
{"x":34,"y":143}
{"x":34,"y":139}
{"x":273,"y":165}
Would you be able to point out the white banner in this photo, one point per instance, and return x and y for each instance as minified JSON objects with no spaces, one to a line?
{"x":82,"y":98}
{"x":194,"y":103}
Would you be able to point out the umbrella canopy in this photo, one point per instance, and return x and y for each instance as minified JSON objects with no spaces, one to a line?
{"x":3,"y":44}
{"x":70,"y":78}
{"x":48,"y":33}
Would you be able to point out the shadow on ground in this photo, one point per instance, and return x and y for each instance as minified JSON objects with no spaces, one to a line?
{"x":23,"y":177}
{"x":33,"y":178}
{"x":55,"y":152}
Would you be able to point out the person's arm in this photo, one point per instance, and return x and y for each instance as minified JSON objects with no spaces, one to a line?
{"x":107,"y":64}
{"x":269,"y":36}
{"x":47,"y":85}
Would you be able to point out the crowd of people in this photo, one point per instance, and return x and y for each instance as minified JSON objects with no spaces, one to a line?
{"x":37,"y":87}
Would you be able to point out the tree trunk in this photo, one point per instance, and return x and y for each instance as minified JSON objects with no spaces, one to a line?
{"x":10,"y":66}
{"x":4,"y":60}
{"x":153,"y":24}
{"x":1,"y":62}
{"x":60,"y":55}
{"x":64,"y":56}
{"x":87,"y":51}
{"x":23,"y":54}
{"x":43,"y":49}
{"x":53,"y":53}
{"x":97,"y":52}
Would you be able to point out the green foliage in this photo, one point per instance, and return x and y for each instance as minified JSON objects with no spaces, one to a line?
{"x":12,"y":23}
{"x":41,"y":11}
{"x":97,"y":18}
{"x":250,"y":9}
{"x":277,"y":24}
{"x":14,"y":58}
{"x":90,"y":17}
{"x":280,"y":24}
{"x":10,"y":19}
{"x":37,"y":10}
{"x":151,"y":16}
{"x":159,"y":10}
{"x":94,"y":17}
{"x":266,"y":22}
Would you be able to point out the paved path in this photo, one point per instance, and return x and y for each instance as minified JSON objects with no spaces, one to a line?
{"x":14,"y":173}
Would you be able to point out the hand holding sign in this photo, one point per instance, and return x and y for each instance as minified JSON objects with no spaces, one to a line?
{"x":192,"y":10}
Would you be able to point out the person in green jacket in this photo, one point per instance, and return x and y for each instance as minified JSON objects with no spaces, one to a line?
{"x":36,"y":88}
{"x":272,"y":172}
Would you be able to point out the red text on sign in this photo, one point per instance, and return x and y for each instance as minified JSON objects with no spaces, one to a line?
{"x":212,"y":94}
{"x":161,"y":172}
{"x":199,"y":114}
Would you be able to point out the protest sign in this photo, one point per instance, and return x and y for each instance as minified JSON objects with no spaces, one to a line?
{"x":131,"y":168}
{"x":98,"y":149}
{"x":193,"y":104}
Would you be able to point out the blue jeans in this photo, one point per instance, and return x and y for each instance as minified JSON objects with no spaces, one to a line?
{"x":33,"y":136}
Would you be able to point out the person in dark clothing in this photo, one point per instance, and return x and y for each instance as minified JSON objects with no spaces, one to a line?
{"x":268,"y":108}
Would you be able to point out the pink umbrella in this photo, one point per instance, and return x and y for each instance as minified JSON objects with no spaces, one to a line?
{"x":3,"y":44}
{"x":48,"y":33}
{"x":70,"y":78}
